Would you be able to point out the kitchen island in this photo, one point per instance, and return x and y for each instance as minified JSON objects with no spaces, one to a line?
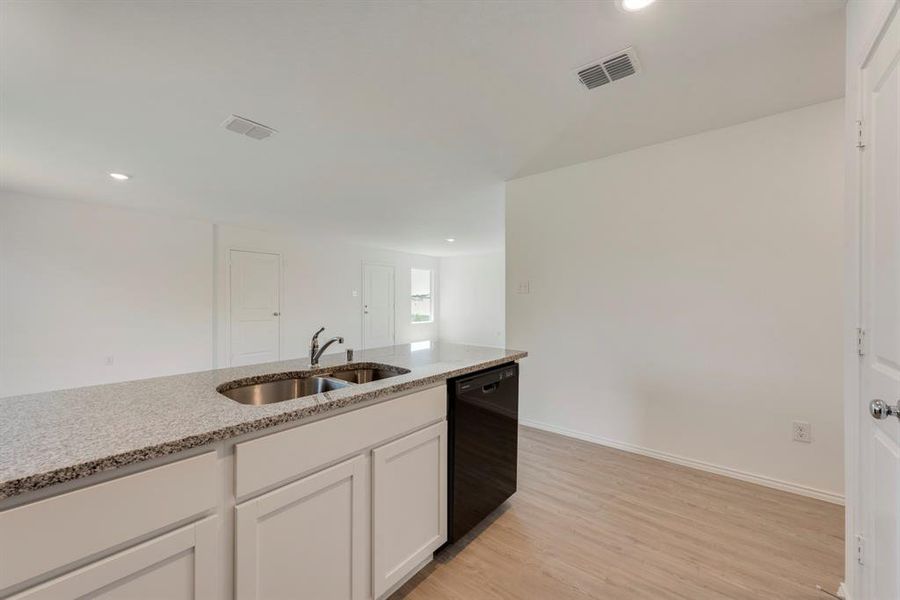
{"x":167,"y":482}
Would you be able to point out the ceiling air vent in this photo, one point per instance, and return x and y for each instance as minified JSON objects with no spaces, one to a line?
{"x":606,"y":70}
{"x":252,"y":129}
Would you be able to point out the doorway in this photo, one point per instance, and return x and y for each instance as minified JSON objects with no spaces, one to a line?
{"x":254,"y":330}
{"x":378,"y":306}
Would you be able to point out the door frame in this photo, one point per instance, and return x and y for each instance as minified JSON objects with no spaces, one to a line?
{"x":362,"y":297}
{"x":227,"y":299}
{"x":853,"y":405}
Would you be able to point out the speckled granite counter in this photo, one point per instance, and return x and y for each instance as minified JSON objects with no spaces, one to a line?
{"x":52,"y":437}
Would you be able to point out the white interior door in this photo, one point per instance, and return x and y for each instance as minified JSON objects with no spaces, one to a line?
{"x":378,"y":306}
{"x":880,"y":312}
{"x":255,"y":315}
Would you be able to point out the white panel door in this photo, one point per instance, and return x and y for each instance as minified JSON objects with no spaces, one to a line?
{"x":880,"y":307}
{"x":378,"y":306}
{"x":177,"y":565}
{"x":307,"y":539}
{"x":255,"y":307}
{"x":409,"y":504}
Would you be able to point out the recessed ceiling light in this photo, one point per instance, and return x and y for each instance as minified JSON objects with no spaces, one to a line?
{"x":120,"y":176}
{"x":451,"y":240}
{"x":635,"y":5}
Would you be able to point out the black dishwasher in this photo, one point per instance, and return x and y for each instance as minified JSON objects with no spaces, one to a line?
{"x":483,"y":419}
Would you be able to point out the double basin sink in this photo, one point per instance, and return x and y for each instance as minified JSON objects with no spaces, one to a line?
{"x":292,"y":385}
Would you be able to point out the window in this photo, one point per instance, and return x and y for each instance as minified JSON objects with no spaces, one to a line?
{"x":420,"y":295}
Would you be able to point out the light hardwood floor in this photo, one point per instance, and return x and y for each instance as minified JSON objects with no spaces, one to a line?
{"x":594,"y":522}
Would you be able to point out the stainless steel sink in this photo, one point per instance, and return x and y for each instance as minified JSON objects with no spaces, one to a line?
{"x":284,"y":389}
{"x":366,"y":375}
{"x":298,"y":384}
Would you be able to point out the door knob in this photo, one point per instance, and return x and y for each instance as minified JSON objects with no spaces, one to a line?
{"x":879,"y":409}
{"x":276,"y":314}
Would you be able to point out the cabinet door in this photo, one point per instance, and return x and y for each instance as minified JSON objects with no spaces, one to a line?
{"x":308,"y":539}
{"x":409,"y":509}
{"x":180,"y":564}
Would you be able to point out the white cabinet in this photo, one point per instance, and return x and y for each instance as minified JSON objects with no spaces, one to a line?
{"x":42,"y":538}
{"x":179,"y":564}
{"x":356,"y":529}
{"x":409,"y":507}
{"x":302,"y":529}
{"x":307,"y":539}
{"x":277,"y":458}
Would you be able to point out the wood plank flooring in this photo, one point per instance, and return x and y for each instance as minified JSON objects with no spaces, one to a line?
{"x":594,"y":522}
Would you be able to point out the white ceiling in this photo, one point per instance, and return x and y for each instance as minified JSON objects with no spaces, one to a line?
{"x":398,"y":121}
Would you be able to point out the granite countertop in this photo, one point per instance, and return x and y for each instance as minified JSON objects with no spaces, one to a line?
{"x":59,"y":436}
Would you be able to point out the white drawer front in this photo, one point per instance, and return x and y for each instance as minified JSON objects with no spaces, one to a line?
{"x":48,"y":534}
{"x":279,"y":457}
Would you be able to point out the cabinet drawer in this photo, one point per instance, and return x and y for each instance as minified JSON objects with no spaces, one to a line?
{"x":48,"y":534}
{"x":276,"y":458}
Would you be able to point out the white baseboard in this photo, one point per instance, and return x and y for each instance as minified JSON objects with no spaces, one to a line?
{"x":777,"y":484}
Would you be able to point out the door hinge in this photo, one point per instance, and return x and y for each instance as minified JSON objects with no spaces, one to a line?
{"x":859,"y":135}
{"x":860,"y":341}
{"x":860,"y":543}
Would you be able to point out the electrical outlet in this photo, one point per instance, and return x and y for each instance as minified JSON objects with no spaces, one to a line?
{"x":108,"y":361}
{"x":524,"y":287}
{"x":802,"y":432}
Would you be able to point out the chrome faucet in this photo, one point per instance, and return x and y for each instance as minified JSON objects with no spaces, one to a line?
{"x":315,"y":352}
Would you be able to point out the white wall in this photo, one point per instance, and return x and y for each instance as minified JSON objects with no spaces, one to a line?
{"x":685,"y":298}
{"x":320,"y":275}
{"x":473,"y":304}
{"x":83,"y":282}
